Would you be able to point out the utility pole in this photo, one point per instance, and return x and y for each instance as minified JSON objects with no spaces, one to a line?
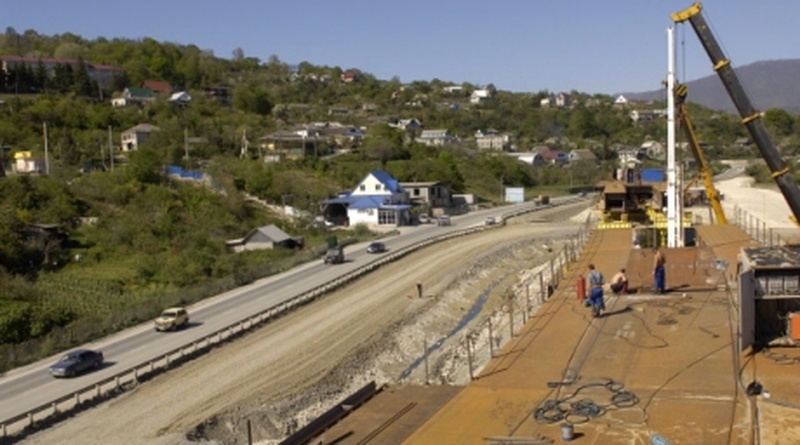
{"x":110,"y":148}
{"x":186,"y":143}
{"x":46,"y":157}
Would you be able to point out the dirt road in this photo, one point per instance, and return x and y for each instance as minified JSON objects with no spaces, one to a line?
{"x":295,"y":368}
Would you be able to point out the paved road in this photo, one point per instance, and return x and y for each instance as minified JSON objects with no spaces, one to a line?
{"x":25,"y":389}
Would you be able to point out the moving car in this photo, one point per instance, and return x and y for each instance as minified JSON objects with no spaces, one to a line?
{"x":76,"y":362}
{"x":490,"y":221}
{"x":376,"y":247}
{"x":443,"y":220}
{"x":172,"y":319}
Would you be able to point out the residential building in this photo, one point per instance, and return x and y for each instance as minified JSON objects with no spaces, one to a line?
{"x":480,"y":96}
{"x":293,"y":144}
{"x":532,"y":158}
{"x":638,"y":116}
{"x":345,"y":136}
{"x":652,"y":149}
{"x":180,"y":98}
{"x":563,"y":100}
{"x":377,"y":200}
{"x":134,"y":96}
{"x":492,"y":139}
{"x":552,"y":156}
{"x":220,"y":94}
{"x":338,"y":111}
{"x":25,"y":162}
{"x":582,"y":154}
{"x":436,"y":137}
{"x":160,"y":87}
{"x":265,"y":237}
{"x":411,"y":125}
{"x":135,"y":136}
{"x":630,"y":156}
{"x":429,"y":194}
{"x":350,"y":76}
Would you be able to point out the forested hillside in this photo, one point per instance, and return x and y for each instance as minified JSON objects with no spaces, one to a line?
{"x":105,"y":238}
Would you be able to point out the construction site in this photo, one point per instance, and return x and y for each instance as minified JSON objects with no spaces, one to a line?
{"x":712,"y":358}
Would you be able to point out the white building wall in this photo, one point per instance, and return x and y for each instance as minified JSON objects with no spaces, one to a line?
{"x":370,"y":186}
{"x":363,"y":216}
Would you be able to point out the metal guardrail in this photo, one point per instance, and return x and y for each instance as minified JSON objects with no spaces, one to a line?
{"x":88,"y":396}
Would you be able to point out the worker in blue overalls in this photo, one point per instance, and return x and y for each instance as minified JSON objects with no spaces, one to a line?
{"x":659,"y":274}
{"x":596,"y":291}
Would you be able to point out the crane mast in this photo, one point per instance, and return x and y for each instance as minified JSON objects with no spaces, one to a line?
{"x":750,"y":117}
{"x":702,"y":164}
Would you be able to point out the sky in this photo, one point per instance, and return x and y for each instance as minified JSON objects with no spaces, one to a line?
{"x":589,"y":46}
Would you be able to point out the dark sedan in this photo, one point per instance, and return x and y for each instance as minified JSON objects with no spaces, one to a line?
{"x":76,"y":362}
{"x":376,"y":248}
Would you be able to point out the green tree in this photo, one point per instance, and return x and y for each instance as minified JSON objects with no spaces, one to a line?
{"x":779,"y":121}
{"x":145,"y":166}
{"x":383,"y":143}
{"x":252,"y":99}
{"x":11,"y":245}
{"x":81,"y":82}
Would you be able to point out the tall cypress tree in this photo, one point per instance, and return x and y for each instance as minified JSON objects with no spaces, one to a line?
{"x":81,"y":82}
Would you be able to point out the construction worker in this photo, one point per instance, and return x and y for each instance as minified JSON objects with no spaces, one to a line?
{"x":659,"y":274}
{"x":619,"y":284}
{"x":596,"y":291}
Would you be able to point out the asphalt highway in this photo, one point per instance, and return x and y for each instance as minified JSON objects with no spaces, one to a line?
{"x":27,"y":388}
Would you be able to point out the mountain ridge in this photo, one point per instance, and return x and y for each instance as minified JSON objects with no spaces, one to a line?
{"x":768,"y":83}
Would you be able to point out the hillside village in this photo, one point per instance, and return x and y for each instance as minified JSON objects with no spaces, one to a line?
{"x":344,"y":126}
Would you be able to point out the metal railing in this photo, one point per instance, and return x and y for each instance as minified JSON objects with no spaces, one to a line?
{"x":757,"y":228}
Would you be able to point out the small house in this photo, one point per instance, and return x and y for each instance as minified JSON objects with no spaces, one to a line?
{"x":265,"y":237}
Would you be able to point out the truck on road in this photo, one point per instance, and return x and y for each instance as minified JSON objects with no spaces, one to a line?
{"x":334,"y":255}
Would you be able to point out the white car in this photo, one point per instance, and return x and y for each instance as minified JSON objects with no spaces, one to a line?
{"x":490,"y":221}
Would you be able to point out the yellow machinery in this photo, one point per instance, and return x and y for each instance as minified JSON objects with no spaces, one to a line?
{"x":705,"y":171}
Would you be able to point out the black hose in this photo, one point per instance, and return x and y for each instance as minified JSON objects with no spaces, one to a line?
{"x":584,"y":409}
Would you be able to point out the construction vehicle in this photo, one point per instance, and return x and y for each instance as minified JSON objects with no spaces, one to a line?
{"x":334,"y":255}
{"x":750,"y":117}
{"x":702,"y":164}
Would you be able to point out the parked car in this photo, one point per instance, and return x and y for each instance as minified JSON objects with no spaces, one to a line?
{"x":424,"y":218}
{"x":490,"y":221}
{"x":76,"y":362}
{"x":172,"y":319}
{"x":376,"y":247}
{"x":334,"y":255}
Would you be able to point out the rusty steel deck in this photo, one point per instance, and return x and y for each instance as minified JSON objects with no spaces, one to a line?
{"x":653,"y":367}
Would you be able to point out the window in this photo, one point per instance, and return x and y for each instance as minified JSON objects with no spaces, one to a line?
{"x":362,"y":187}
{"x":377,"y":187}
{"x":387,"y":217}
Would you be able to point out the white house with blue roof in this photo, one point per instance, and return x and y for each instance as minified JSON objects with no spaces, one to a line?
{"x":378,"y":199}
